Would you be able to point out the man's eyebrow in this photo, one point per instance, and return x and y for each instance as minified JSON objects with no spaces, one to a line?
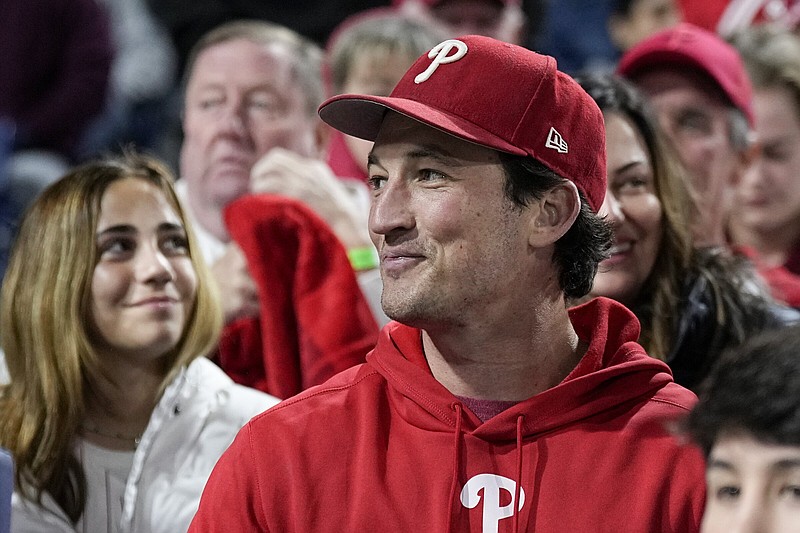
{"x":787,"y":464}
{"x":435,"y":152}
{"x":719,"y":464}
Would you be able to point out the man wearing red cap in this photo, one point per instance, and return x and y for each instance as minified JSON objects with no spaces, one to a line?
{"x":702,"y":94}
{"x":487,"y":405}
{"x":699,"y":88}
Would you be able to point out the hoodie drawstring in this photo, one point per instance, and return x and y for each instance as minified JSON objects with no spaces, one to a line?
{"x":456,"y":464}
{"x":518,"y":481}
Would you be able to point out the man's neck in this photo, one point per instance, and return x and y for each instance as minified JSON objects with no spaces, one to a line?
{"x":511,"y":364}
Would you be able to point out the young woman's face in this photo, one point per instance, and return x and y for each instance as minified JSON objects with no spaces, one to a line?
{"x":752,"y":486}
{"x":634,"y":210}
{"x":144,"y":283}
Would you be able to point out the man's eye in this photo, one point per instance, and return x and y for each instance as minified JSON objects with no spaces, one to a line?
{"x":791,"y":492}
{"x":427,"y":174}
{"x":694,"y":122}
{"x":776,"y":154}
{"x":728,"y":492}
{"x":209,"y":103}
{"x":376,"y":182}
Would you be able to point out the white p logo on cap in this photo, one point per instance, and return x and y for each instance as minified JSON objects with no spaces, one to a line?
{"x":439,"y":54}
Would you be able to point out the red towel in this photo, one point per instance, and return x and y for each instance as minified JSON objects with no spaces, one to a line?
{"x":314,"y":320}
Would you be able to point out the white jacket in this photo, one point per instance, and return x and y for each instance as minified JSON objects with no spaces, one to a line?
{"x":197,"y":418}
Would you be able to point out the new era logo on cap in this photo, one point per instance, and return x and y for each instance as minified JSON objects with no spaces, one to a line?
{"x":556,"y":142}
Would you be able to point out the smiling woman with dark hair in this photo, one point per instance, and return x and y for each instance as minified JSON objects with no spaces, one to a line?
{"x":113,"y":416}
{"x":692,"y":301}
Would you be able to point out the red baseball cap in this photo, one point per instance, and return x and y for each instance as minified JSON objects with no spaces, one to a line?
{"x":687,"y":45}
{"x":497,"y":95}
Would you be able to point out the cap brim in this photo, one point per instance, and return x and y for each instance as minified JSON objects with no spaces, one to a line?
{"x":362,"y":115}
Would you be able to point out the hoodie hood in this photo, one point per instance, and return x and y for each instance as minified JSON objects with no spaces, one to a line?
{"x":614,"y":370}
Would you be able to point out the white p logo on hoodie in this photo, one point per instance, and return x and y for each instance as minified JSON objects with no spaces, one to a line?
{"x":491,"y":485}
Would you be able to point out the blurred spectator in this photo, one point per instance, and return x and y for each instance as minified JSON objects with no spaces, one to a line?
{"x":633,"y":20}
{"x":766,"y":213}
{"x":700,"y":91}
{"x":576,"y":34}
{"x":747,"y":422}
{"x":186,"y":21}
{"x":727,"y":17}
{"x":55,"y":57}
{"x":692,"y":302}
{"x":143,"y":80}
{"x":501,"y":19}
{"x":368,"y":54}
{"x":114,"y":416}
{"x":295,"y":314}
{"x":703,"y":97}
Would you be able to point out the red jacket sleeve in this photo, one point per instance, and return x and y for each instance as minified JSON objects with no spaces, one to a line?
{"x":314,"y":320}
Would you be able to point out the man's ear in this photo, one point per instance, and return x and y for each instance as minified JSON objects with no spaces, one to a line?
{"x":554,"y":214}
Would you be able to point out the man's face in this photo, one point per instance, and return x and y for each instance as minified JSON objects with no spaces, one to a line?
{"x":452,"y":246}
{"x":241,"y":101}
{"x":752,"y":486}
{"x":697,"y":121}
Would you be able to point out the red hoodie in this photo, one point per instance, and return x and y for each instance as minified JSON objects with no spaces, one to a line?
{"x":385,"y":447}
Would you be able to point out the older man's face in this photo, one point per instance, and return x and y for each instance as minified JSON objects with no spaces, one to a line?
{"x":696,"y":118}
{"x":242,"y":100}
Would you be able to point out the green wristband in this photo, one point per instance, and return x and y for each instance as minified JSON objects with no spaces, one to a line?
{"x":363,"y":258}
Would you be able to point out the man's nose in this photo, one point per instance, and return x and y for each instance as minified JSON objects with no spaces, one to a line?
{"x":391,"y":208}
{"x":232,"y":119}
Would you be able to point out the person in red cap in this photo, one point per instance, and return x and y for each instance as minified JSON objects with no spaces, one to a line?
{"x":703,"y":97}
{"x":487,"y":405}
{"x":699,"y":88}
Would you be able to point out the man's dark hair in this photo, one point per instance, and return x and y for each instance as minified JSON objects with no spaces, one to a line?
{"x":754,"y":388}
{"x":587,"y":242}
